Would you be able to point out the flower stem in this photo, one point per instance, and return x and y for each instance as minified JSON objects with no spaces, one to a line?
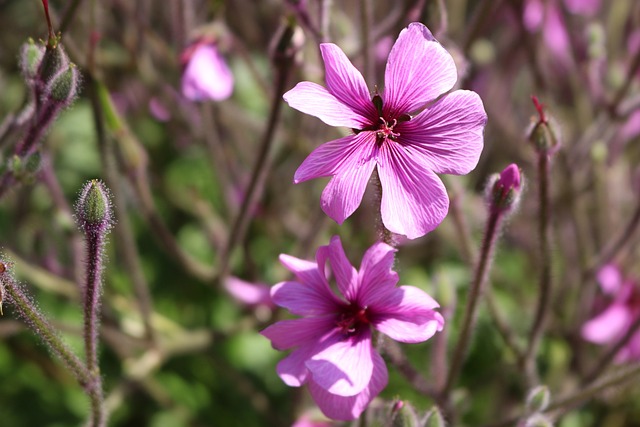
{"x":16,"y":296}
{"x":544,"y":297}
{"x":477,"y":288}
{"x":384,"y":235}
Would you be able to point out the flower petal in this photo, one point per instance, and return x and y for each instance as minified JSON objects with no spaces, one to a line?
{"x":608,"y":325}
{"x":292,"y":370}
{"x":207,"y":75}
{"x":313,"y":99}
{"x":407,"y":316}
{"x":345,"y":82}
{"x":414,"y":200}
{"x":419,"y":70}
{"x":448,"y":135}
{"x":345,"y":274}
{"x":346,"y":365}
{"x":343,"y":194}
{"x":349,"y":408}
{"x":333,"y":156}
{"x":376,"y":276}
{"x":304,"y":299}
{"x":610,"y":279}
{"x":286,"y":334}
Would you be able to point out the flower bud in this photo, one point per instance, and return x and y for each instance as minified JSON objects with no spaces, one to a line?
{"x":543,"y":134}
{"x":54,"y":61}
{"x":538,"y":420}
{"x":30,"y":58}
{"x":538,"y":399}
{"x":63,"y":87}
{"x":93,"y":209}
{"x":505,"y":189}
{"x":403,"y":415}
{"x":434,"y":418}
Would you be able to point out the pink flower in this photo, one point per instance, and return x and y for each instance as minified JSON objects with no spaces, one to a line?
{"x":206,"y":74}
{"x":249,"y":293}
{"x":332,"y":340}
{"x":614,"y":321}
{"x":445,"y":135}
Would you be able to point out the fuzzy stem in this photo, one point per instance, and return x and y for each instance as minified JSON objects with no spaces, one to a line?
{"x":544,"y":297}
{"x":41,"y":327}
{"x":477,"y":288}
{"x":384,"y":235}
{"x":37,"y":130}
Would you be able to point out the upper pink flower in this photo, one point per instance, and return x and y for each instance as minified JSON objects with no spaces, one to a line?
{"x":445,"y":135}
{"x":615,"y":320}
{"x":206,"y":75}
{"x":332,"y":340}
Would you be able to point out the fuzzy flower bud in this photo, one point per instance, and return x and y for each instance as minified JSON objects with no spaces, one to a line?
{"x":434,"y":418}
{"x":93,"y":209}
{"x":63,"y":87}
{"x":31,"y":55}
{"x":538,"y":399}
{"x":54,"y":61}
{"x":543,"y":134}
{"x":504,"y":189}
{"x":403,"y":415}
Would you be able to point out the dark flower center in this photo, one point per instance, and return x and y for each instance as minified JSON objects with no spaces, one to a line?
{"x":385,"y":131}
{"x":352,"y":319}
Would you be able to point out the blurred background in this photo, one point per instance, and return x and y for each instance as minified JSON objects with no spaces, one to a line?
{"x":179,"y":338}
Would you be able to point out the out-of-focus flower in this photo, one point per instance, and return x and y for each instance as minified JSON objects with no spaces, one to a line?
{"x":206,"y":75}
{"x":546,"y":16}
{"x":305,"y":421}
{"x":158,"y":110}
{"x":615,"y":320}
{"x":332,"y":340}
{"x":406,"y":150}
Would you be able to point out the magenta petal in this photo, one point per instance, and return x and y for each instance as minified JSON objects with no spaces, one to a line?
{"x":610,"y":279}
{"x":207,"y":75}
{"x":408,"y":316}
{"x":248,"y":293}
{"x":533,"y":14}
{"x":292,"y":370}
{"x":345,"y":274}
{"x":303,"y":299}
{"x":333,"y":156}
{"x":343,"y":194}
{"x":419,"y":70}
{"x":313,"y":99}
{"x":286,"y":334}
{"x":376,"y":277}
{"x":344,"y":367}
{"x":349,"y":408}
{"x":609,"y":325}
{"x":414,"y":200}
{"x":448,"y":136}
{"x":345,"y":82}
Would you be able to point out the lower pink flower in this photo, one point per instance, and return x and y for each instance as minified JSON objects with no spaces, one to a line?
{"x":618,"y":316}
{"x":331,"y":342}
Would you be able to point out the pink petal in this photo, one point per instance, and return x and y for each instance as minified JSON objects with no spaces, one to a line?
{"x":608,"y":326}
{"x":345,"y":274}
{"x":447,"y":136}
{"x":610,"y":279}
{"x":305,"y":300}
{"x":376,"y":277}
{"x":533,"y":14}
{"x":248,"y":293}
{"x":305,"y":271}
{"x":408,"y":315}
{"x":344,"y":367}
{"x":286,"y":334}
{"x":345,"y":82}
{"x":292,"y":370}
{"x":555,"y":34}
{"x":333,"y":156}
{"x":343,"y":194}
{"x":207,"y":75}
{"x":349,"y":408}
{"x":419,"y":70}
{"x":315,"y":100}
{"x":414,"y":200}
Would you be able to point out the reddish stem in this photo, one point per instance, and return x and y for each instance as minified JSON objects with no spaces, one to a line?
{"x":540,"y":108}
{"x":52,"y":37}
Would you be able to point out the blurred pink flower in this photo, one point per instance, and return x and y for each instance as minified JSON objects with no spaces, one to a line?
{"x":206,"y":75}
{"x":249,"y":293}
{"x":615,"y":320}
{"x":305,"y":421}
{"x":407,"y":151}
{"x":546,"y":16}
{"x":332,"y":340}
